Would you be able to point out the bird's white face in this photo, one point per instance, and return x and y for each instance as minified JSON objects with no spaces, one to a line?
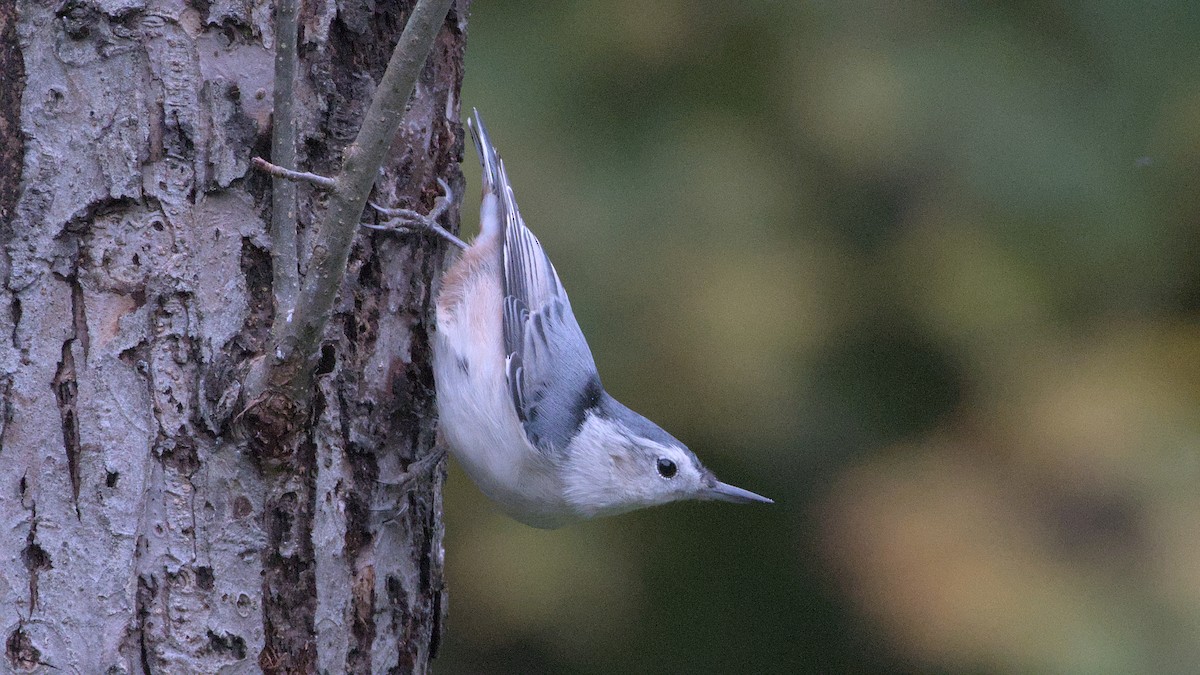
{"x":609,"y":471}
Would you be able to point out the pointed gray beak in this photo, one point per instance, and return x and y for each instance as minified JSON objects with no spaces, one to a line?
{"x":729,"y":493}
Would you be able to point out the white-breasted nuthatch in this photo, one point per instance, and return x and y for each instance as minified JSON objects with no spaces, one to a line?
{"x":519,"y":399}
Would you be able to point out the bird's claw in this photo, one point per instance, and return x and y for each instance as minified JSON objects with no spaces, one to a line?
{"x":408,"y":220}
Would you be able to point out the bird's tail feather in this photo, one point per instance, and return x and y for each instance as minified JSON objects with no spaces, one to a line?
{"x":495,"y":215}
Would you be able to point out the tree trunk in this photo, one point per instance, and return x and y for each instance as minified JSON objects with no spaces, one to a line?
{"x":139,"y":531}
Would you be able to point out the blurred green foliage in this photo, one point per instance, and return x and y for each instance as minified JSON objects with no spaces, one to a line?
{"x":928,"y":274}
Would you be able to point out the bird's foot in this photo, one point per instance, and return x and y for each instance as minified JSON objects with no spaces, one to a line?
{"x":407,"y":220}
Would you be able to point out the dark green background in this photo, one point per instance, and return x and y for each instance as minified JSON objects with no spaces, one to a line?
{"x":925,"y":273}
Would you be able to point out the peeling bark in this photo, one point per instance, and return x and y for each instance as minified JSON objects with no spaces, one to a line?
{"x":141,"y":532}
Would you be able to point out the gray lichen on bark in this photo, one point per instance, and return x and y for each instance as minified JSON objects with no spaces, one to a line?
{"x":141,"y":534}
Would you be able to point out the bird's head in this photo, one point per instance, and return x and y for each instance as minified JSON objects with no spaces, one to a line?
{"x":620,"y":461}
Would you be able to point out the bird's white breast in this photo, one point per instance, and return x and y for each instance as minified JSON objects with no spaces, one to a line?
{"x":476,"y":414}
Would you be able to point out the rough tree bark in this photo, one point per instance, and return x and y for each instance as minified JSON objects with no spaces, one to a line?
{"x":139,"y":532}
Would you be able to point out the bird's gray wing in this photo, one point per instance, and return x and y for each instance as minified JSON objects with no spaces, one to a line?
{"x":551,"y":374}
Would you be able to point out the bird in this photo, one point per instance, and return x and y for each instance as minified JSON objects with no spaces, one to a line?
{"x":520,"y":403}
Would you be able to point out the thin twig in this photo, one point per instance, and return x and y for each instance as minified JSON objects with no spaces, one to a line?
{"x":294,"y":347}
{"x":353,"y":183}
{"x":285,"y":260}
{"x":291,"y":177}
{"x":400,"y":220}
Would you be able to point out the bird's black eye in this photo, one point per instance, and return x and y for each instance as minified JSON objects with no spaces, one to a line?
{"x":666,"y":468}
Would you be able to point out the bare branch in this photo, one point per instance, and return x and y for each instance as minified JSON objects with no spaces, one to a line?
{"x":285,"y":261}
{"x":290,"y":176}
{"x":353,"y":183}
{"x":281,"y":381}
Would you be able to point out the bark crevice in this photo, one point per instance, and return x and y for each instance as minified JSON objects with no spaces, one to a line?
{"x":35,"y":558}
{"x":66,"y":392}
{"x":20,"y":650}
